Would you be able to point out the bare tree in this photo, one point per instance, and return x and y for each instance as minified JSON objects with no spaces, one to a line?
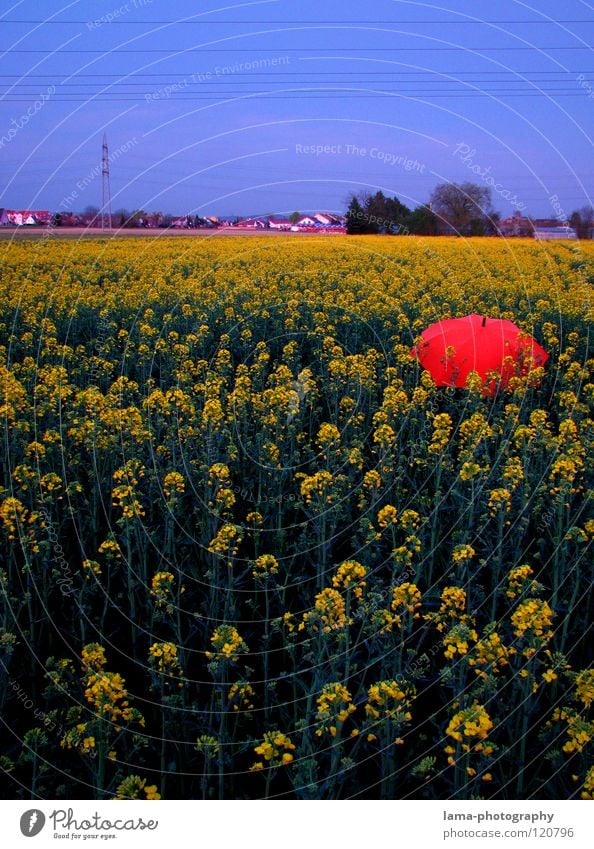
{"x":582,"y":221}
{"x":465,"y":207}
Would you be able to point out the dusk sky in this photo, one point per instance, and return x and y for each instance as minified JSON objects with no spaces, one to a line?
{"x":275,"y":106}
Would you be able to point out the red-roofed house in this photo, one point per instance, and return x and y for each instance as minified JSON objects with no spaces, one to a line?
{"x":30,"y":217}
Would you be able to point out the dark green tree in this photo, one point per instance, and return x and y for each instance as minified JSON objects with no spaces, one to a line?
{"x":355,"y":218}
{"x":422,"y":222}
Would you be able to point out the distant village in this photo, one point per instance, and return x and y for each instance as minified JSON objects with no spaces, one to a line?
{"x":93,"y":219}
{"x":516,"y":225}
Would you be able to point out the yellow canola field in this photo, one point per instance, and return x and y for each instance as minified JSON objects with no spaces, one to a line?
{"x":251,"y":550}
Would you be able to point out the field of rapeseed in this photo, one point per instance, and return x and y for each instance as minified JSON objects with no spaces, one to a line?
{"x":249,"y":549}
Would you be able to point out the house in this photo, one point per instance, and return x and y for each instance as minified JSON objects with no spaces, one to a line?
{"x":39,"y":217}
{"x":279,"y":224}
{"x":545,"y":234}
{"x":13,"y":218}
{"x":516,"y":225}
{"x":306,"y":221}
{"x":66,"y":219}
{"x":326,"y":219}
{"x":251,"y":223}
{"x":28,"y":217}
{"x":549,"y":222}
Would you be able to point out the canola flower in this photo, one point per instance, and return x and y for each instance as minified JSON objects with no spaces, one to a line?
{"x":490,"y":655}
{"x":533,"y":618}
{"x":334,"y":708}
{"x":134,"y":787}
{"x":164,"y":658}
{"x":471,"y":723}
{"x":209,"y":448}
{"x":328,"y":614}
{"x":389,"y":700}
{"x":265,"y":566}
{"x":276,"y":749}
{"x":228,"y":644}
{"x":162,"y":588}
{"x":349,"y":576}
{"x":406,"y":598}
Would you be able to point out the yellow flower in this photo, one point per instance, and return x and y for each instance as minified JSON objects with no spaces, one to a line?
{"x":328,"y":435}
{"x":584,"y":687}
{"x":442,"y":429}
{"x":349,"y":576}
{"x":462,"y":553}
{"x":227,"y":643}
{"x":387,"y":516}
{"x":276,"y":750}
{"x":334,"y":707}
{"x":372,"y":480}
{"x":265,"y":566}
{"x":173,"y":484}
{"x":549,"y":676}
{"x":151,"y":791}
{"x":226,"y":542}
{"x":329,"y":613}
{"x":588,"y":785}
{"x":490,"y":655}
{"x":163,"y":658}
{"x":241,"y":695}
{"x":316,"y":487}
{"x":499,"y":499}
{"x":533,"y":618}
{"x":406,"y":597}
{"x":472,"y":722}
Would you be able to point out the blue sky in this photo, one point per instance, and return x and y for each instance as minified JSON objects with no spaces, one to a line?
{"x":275,"y":106}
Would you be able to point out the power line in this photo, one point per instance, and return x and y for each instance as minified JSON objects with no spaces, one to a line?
{"x":298,"y":96}
{"x":222,"y":82}
{"x":270,"y":22}
{"x":202,"y":89}
{"x":268,"y":74}
{"x":175,"y":50}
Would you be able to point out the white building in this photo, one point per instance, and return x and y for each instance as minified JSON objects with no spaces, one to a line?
{"x":545,"y":234}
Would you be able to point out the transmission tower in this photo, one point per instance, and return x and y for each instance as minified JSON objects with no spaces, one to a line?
{"x":106,"y":196}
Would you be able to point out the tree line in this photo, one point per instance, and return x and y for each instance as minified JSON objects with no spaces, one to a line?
{"x":462,"y":208}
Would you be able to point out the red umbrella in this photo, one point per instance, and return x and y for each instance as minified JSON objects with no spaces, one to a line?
{"x":453,"y":347}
